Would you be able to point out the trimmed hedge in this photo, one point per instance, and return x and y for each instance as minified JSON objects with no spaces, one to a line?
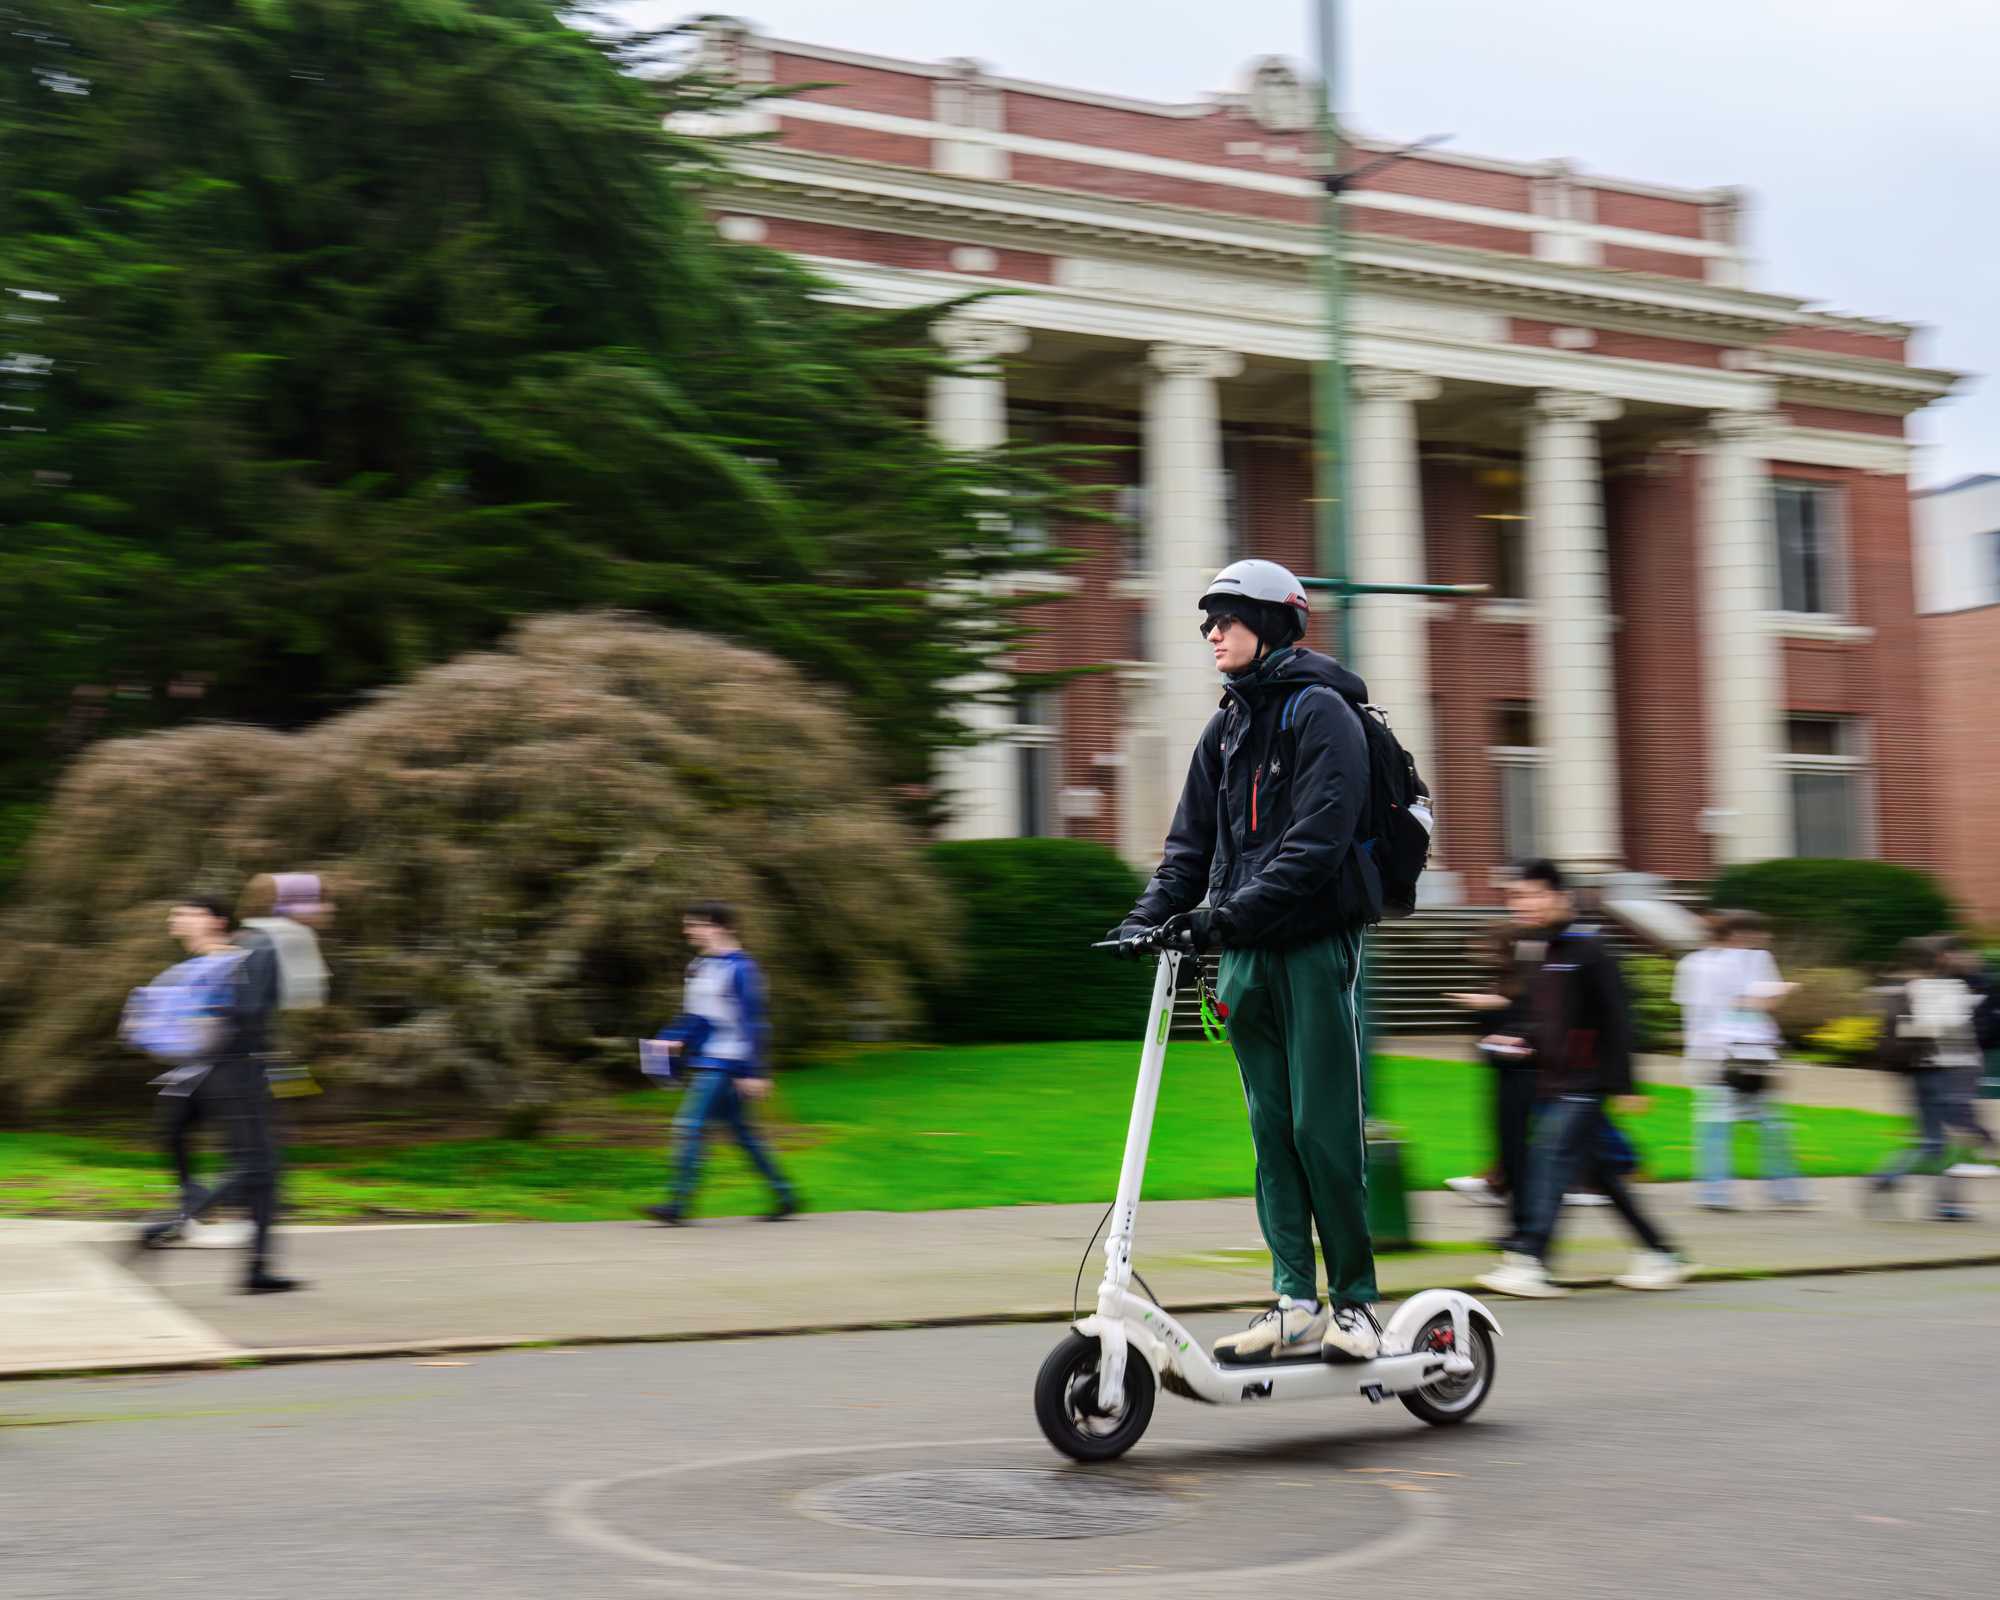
{"x":1862,"y":910}
{"x":1029,"y":909}
{"x":1656,"y":1020}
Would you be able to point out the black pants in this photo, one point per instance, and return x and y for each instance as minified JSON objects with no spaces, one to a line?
{"x":1513,"y":1115}
{"x":180,"y":1115}
{"x":1570,"y":1144}
{"x":238,"y":1097}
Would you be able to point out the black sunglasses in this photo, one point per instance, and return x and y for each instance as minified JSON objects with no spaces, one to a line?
{"x":1219,"y":619}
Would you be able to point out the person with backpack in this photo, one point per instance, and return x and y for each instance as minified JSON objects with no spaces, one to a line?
{"x":226,"y":1071}
{"x":723,"y":1035}
{"x":1301,"y":822}
{"x":1962,"y":960}
{"x":1579,"y":1026}
{"x":1726,"y":992}
{"x":1927,"y":1035}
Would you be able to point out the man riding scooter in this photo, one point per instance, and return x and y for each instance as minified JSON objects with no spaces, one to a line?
{"x":1264,"y":833}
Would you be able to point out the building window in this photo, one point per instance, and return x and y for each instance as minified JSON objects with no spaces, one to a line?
{"x":1037,"y":717}
{"x":1235,"y":499}
{"x":1028,"y":526}
{"x":1517,"y":764}
{"x":1503,"y":514}
{"x":1809,"y":575}
{"x":1130,"y":508}
{"x":1828,"y":774}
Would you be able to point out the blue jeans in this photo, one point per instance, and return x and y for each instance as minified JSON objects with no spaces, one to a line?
{"x":713,"y":1095}
{"x":1571,"y":1144}
{"x":1932,"y":1152}
{"x":1717,"y":1110}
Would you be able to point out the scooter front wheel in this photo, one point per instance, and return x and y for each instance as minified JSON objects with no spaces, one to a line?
{"x":1454,"y":1399}
{"x":1066,"y":1401}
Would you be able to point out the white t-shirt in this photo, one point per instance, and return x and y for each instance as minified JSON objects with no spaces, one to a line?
{"x":1710,"y":987}
{"x":1941,"y":1009}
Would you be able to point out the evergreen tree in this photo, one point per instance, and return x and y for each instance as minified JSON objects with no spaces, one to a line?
{"x":341,"y":332}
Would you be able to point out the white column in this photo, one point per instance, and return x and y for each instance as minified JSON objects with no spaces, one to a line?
{"x":1386,"y":533}
{"x":1568,"y":579}
{"x":968,"y":411}
{"x":1742,"y":664}
{"x":1186,"y":545}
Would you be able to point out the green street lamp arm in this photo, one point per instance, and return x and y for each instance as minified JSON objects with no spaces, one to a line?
{"x":1345,"y":587}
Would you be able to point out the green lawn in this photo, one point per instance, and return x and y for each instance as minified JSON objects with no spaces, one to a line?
{"x":892,"y":1130}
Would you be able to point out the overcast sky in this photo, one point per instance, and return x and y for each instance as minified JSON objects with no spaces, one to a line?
{"x":1865,"y":130}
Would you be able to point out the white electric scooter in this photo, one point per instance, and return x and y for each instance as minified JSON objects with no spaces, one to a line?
{"x":1094,"y":1395}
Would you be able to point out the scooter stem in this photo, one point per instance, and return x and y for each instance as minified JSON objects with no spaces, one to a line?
{"x":1145,"y":1098}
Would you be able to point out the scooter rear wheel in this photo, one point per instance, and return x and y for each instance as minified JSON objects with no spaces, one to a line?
{"x":1452,"y":1400}
{"x":1066,"y":1401}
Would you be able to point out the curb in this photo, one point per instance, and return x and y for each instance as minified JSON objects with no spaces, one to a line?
{"x":298,"y":1355}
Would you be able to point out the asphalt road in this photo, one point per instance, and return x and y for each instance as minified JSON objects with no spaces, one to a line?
{"x":1810,"y":1437}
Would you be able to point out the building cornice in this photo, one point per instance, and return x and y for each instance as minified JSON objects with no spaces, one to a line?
{"x":1855,"y":382}
{"x":1274,"y":336}
{"x":842,"y":191}
{"x":833,"y":189}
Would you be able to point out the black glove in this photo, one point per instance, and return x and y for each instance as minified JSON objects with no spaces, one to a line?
{"x":1135,"y":938}
{"x":1199,"y":930}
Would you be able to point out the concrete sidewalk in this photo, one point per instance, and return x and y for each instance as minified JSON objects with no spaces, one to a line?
{"x":72,"y":1299}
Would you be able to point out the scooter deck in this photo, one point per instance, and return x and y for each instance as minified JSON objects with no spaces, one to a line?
{"x":1275,"y":1363}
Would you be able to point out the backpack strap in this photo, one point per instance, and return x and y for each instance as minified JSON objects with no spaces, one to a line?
{"x":1291,"y":710}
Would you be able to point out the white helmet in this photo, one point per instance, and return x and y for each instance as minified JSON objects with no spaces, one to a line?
{"x":1264,"y":582}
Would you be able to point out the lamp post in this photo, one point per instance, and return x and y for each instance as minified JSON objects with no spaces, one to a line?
{"x":1388,"y":1196}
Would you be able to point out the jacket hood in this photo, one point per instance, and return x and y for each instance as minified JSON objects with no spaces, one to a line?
{"x":1295,"y":667}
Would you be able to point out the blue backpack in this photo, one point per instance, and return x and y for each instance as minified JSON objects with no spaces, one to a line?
{"x":180,"y":1017}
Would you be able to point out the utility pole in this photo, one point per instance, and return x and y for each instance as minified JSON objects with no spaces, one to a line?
{"x":1388,"y":1193}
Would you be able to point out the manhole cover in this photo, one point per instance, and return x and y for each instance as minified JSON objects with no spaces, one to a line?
{"x":991,"y":1505}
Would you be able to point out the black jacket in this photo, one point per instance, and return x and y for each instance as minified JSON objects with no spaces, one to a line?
{"x":1578,"y":1017}
{"x":253,"y":1004}
{"x":1266,"y":821}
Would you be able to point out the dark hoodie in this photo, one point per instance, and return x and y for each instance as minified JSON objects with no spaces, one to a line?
{"x":1267,"y":820}
{"x":1579,"y":1019}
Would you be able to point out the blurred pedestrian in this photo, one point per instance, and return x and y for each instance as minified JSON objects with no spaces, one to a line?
{"x":1726,"y":992}
{"x":1579,"y":1026}
{"x":1497,"y":1013}
{"x":723,"y":1035}
{"x":1963,"y":960}
{"x":232,"y":1090}
{"x":288,"y":911}
{"x":1927,"y":1034}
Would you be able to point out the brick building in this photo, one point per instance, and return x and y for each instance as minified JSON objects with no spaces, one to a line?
{"x":1958,"y":601}
{"x":1688,"y":495}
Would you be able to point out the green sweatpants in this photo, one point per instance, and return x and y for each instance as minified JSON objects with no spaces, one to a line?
{"x":1297,"y":1037}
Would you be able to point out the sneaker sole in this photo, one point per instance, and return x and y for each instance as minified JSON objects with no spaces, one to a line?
{"x":1550,"y":1291}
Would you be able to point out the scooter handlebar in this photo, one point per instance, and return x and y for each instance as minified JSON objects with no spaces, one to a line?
{"x":1152,"y":942}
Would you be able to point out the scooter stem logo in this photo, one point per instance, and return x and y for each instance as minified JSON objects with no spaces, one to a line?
{"x":1166,"y":1013}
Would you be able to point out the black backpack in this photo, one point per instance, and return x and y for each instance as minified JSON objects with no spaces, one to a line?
{"x":1392,"y":841}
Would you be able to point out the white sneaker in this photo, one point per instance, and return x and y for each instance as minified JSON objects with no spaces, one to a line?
{"x":1287,"y":1329}
{"x":1651,"y":1269}
{"x":1523,"y":1277}
{"x":1476,"y":1190}
{"x":1586,"y":1197}
{"x":1973,"y":1169}
{"x":1352,"y":1335}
